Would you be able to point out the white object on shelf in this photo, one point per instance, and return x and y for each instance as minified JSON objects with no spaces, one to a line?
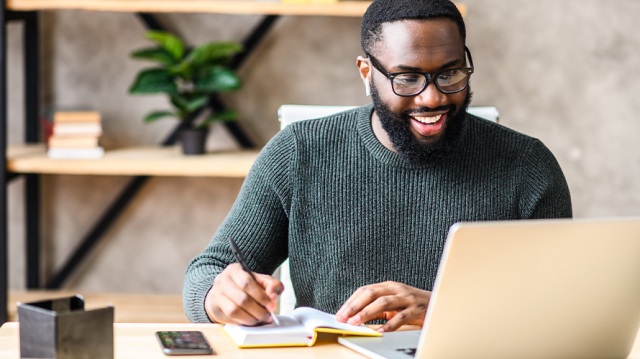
{"x":75,"y":153}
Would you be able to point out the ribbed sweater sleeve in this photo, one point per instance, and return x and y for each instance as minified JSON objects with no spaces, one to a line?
{"x":544,"y":191}
{"x":257,"y":222}
{"x":348,"y":212}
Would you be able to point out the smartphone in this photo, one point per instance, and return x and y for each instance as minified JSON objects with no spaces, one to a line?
{"x":183,"y":343}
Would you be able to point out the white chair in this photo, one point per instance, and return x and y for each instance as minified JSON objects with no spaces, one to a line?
{"x":288,"y":114}
{"x":487,"y":112}
{"x":291,"y":113}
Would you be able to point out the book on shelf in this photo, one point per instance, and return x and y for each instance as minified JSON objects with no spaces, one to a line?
{"x":77,"y":153}
{"x":301,"y":328}
{"x":75,"y":135}
{"x":75,"y":129}
{"x":76,"y":117}
{"x":73,"y":142}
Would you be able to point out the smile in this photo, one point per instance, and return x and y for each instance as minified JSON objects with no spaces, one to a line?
{"x":428,"y":120}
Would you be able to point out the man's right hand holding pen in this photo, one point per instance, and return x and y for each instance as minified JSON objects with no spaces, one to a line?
{"x":237,"y":298}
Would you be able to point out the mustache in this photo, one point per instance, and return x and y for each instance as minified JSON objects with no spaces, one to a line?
{"x":423,"y":109}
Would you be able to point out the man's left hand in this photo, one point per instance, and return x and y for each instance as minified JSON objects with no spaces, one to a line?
{"x":397,"y":303}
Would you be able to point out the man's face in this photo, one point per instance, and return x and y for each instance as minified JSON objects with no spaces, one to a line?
{"x":419,"y":127}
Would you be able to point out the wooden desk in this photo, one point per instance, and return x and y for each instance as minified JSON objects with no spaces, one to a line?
{"x":135,"y":341}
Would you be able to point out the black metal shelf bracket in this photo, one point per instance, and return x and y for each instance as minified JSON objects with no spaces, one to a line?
{"x":4,"y":238}
{"x":32,"y":135}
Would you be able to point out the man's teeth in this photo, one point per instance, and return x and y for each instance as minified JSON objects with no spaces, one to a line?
{"x":428,"y":120}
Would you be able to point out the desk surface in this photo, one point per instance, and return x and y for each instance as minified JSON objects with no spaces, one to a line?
{"x":135,"y":341}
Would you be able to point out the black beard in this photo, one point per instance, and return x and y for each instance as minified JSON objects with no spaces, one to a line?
{"x":409,"y":148}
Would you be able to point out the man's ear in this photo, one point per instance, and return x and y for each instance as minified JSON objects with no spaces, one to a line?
{"x":363,"y":67}
{"x":365,"y":71}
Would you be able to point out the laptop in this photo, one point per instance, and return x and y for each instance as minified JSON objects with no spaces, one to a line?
{"x":557,"y":288}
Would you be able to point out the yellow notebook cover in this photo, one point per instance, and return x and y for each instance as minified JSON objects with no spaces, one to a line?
{"x":301,"y":328}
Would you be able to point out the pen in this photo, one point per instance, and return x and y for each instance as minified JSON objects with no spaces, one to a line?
{"x":240,"y":259}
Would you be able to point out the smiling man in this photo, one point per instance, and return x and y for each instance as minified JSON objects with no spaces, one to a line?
{"x":418,"y":121}
{"x":361,"y":201}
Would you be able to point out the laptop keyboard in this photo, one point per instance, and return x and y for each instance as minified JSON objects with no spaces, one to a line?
{"x":408,"y":351}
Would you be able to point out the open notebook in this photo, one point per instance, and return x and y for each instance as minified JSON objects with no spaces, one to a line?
{"x":528,"y":289}
{"x":301,"y":328}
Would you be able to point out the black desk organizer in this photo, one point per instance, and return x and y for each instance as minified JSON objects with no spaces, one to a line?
{"x":62,"y":329}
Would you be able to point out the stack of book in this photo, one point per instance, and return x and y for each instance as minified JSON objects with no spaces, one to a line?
{"x":75,"y":135}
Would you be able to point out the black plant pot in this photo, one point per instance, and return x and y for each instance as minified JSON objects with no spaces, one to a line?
{"x":193,"y":140}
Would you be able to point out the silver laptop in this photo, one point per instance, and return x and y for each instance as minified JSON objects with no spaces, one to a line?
{"x":528,"y":289}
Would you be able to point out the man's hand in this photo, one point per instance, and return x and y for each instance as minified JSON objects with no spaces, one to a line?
{"x":237,"y":299}
{"x":395,"y":302}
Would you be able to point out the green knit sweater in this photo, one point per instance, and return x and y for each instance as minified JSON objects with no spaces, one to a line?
{"x":349,"y":212}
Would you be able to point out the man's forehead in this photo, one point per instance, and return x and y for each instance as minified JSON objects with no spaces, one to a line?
{"x":419,"y":37}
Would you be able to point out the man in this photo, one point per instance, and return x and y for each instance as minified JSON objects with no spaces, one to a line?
{"x":361,"y":201}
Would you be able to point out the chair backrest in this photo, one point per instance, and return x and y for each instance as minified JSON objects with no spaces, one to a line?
{"x":291,"y":113}
{"x":489,"y":113}
{"x":288,"y":114}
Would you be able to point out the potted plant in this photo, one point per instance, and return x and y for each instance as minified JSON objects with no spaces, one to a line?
{"x":188,"y":77}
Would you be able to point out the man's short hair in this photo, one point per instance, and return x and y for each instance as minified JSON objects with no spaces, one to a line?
{"x":383,"y":11}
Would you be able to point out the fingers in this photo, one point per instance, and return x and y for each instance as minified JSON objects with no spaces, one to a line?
{"x":397,"y":303}
{"x":237,"y":298}
{"x":226,"y":311}
{"x":351,"y":310}
{"x":411,"y":315}
{"x":272,"y":287}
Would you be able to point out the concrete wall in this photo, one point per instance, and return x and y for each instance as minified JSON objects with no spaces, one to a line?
{"x":563,"y":71}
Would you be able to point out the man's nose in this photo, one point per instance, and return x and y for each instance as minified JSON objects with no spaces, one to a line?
{"x":431,"y":97}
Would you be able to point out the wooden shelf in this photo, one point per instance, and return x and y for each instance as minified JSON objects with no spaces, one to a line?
{"x":238,"y":7}
{"x":137,"y":161}
{"x":340,"y":8}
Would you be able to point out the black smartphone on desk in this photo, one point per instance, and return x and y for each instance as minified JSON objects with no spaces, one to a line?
{"x":184,"y":343}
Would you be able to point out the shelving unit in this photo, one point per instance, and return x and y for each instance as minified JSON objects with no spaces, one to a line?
{"x":31,"y":161}
{"x":239,"y":7}
{"x":232,"y":7}
{"x":134,"y":161}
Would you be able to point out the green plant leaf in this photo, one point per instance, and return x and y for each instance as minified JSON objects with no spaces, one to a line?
{"x":179,"y":102}
{"x":183,"y":69}
{"x":158,"y":115}
{"x":155,"y":54}
{"x":213,"y":53}
{"x":217,"y":78}
{"x":197,"y":103}
{"x":171,"y":43}
{"x":227,"y":116}
{"x":153,"y":81}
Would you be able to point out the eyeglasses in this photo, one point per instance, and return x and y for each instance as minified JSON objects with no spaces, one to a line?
{"x":409,"y":84}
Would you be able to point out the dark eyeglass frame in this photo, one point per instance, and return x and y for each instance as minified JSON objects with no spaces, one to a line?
{"x":429,"y":77}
